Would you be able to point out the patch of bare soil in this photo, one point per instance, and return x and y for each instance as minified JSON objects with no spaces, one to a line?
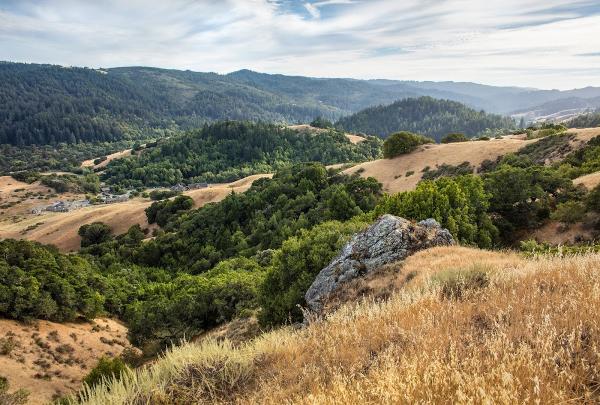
{"x":589,"y":180}
{"x":117,"y":155}
{"x":51,"y":359}
{"x":557,"y":233}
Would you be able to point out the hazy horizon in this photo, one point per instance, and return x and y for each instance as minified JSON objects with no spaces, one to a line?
{"x":532,"y":43}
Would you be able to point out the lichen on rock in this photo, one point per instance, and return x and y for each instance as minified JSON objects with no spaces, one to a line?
{"x":388,"y":240}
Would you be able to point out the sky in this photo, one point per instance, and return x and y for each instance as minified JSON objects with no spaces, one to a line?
{"x":533,"y":43}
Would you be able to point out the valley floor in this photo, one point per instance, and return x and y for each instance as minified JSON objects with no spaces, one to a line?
{"x":468,"y":326}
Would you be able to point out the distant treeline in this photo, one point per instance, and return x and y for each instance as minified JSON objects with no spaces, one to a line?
{"x":590,"y":120}
{"x":424,"y":115}
{"x":229,"y":150}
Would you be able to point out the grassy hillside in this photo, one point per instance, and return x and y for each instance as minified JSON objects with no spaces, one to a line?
{"x":50,"y":359}
{"x":402,"y":173}
{"x":423,"y":115}
{"x":60,"y":229}
{"x":529,"y":333}
{"x":254,"y":254}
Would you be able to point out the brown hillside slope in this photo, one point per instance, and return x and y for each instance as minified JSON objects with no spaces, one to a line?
{"x":60,"y":229}
{"x":50,"y":358}
{"x":589,"y":180}
{"x":109,"y":158}
{"x":478,"y":331}
{"x":392,"y":172}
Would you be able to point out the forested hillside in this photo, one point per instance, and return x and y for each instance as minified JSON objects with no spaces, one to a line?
{"x":424,"y":115}
{"x":590,"y":120}
{"x":44,"y":104}
{"x":229,"y":150}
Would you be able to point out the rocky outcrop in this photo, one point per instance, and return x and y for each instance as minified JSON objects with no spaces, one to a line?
{"x":388,"y":240}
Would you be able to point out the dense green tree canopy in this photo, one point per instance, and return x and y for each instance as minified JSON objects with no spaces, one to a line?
{"x":590,"y":120}
{"x":460,"y":204}
{"x":161,"y":212}
{"x":38,"y":282}
{"x":230,"y":150}
{"x":94,"y":233}
{"x":424,"y":115}
{"x":271,"y":211}
{"x":43,"y":104}
{"x":295,"y":267}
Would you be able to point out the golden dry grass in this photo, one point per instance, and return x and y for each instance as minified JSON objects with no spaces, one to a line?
{"x":57,"y":373}
{"x":554,"y":233}
{"x":8,"y":185}
{"x":392,"y":172}
{"x":589,"y":180}
{"x":117,"y":155}
{"x":60,"y":229}
{"x":532,"y":335}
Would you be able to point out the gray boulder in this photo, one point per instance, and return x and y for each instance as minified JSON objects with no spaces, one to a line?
{"x":388,"y":240}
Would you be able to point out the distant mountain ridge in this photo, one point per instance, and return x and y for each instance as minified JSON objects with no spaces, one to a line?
{"x":46,"y":104}
{"x":559,"y":110}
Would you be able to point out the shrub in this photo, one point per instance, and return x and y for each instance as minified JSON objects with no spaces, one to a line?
{"x":593,"y":199}
{"x":569,"y":212}
{"x":157,"y":195}
{"x":26,"y":176}
{"x":456,"y":284}
{"x":459,"y":204}
{"x":321,"y":122}
{"x":532,"y":248}
{"x":162,"y":212}
{"x":446,"y":170}
{"x":521,"y":197}
{"x":7,"y":345}
{"x":16,"y":398}
{"x":132,"y":356}
{"x":106,"y":369}
{"x":94,"y":234}
{"x":457,"y":137}
{"x":403,"y":142}
{"x":99,"y":160}
{"x":295,"y":267}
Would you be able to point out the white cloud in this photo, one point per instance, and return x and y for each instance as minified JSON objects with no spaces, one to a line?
{"x":313,"y":10}
{"x":522,"y":42}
